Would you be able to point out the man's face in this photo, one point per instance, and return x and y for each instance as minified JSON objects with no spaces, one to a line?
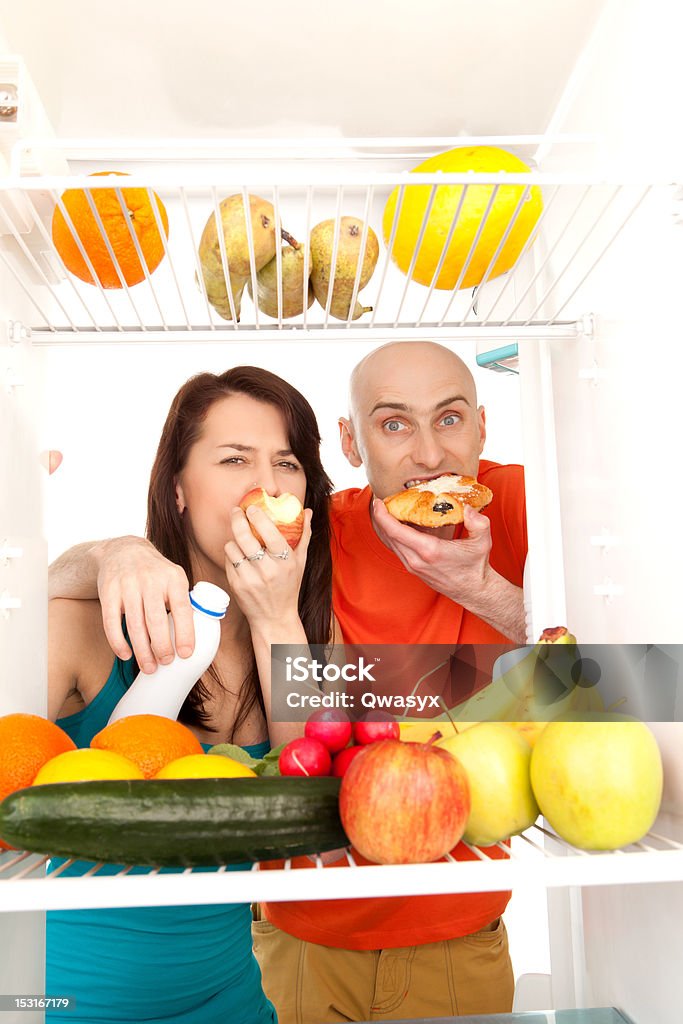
{"x":415,"y":418}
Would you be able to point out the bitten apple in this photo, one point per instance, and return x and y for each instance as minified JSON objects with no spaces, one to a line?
{"x":286,"y":511}
{"x":404,"y":803}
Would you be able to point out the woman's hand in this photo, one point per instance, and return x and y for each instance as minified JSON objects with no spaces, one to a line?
{"x":265,"y":579}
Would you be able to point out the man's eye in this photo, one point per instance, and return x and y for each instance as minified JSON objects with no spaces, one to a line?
{"x":394,"y":426}
{"x":450,"y":419}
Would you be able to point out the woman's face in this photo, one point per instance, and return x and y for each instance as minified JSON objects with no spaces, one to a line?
{"x":243,"y":444}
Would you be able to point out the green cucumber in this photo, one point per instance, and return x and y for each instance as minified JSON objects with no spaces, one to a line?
{"x":176,"y":822}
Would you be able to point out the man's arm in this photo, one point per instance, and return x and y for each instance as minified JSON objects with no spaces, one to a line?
{"x":130,"y":577}
{"x":458,"y":569}
{"x":74,"y":574}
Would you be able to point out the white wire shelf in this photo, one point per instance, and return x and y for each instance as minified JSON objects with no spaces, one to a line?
{"x":536,"y":858}
{"x":542,"y":295}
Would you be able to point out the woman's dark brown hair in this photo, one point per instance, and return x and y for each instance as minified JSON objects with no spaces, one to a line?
{"x":166,"y":529}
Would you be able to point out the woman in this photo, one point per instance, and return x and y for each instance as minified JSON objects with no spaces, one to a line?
{"x":223,"y":436}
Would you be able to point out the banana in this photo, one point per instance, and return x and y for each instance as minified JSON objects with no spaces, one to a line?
{"x":537,"y":688}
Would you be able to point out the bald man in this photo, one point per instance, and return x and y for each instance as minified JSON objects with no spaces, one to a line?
{"x":413,"y":416}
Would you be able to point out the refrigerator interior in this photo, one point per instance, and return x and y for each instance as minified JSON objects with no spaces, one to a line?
{"x":589,"y":404}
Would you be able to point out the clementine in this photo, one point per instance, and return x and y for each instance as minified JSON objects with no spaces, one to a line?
{"x":26,"y":743}
{"x":138,"y":203}
{"x":507,"y":211}
{"x":151,"y":741}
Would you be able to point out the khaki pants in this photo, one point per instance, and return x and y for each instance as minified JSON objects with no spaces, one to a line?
{"x":312,"y":984}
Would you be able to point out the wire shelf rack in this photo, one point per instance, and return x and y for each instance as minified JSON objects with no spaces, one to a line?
{"x":538,"y":858}
{"x":541,"y":295}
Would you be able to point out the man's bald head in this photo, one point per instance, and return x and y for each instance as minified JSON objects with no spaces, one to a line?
{"x":409,"y":353}
{"x":412,"y":414}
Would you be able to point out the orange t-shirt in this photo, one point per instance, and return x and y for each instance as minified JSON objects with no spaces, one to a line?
{"x":367,"y":578}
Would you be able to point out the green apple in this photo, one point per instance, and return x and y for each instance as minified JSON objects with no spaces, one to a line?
{"x":496,"y":758}
{"x":598,"y":780}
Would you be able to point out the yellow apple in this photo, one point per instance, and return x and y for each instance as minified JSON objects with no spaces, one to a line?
{"x":529,"y":730}
{"x":421,"y":730}
{"x":496,"y":758}
{"x":285,"y":511}
{"x":598,"y":780}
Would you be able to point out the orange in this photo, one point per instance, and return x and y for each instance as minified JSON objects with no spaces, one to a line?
{"x":151,"y":741}
{"x":205,"y":766}
{"x":86,"y":764}
{"x":138,"y":203}
{"x":26,"y":743}
{"x":481,"y":159}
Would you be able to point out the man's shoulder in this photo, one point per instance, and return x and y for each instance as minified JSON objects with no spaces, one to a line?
{"x":495,"y":474}
{"x":348,"y":500}
{"x":514,"y":470}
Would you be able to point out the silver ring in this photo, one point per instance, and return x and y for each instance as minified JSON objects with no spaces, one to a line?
{"x":256,"y":557}
{"x":237,"y":564}
{"x":284,"y":555}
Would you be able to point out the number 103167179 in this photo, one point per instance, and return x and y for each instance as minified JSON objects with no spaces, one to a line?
{"x":22,"y":1002}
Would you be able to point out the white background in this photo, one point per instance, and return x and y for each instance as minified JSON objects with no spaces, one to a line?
{"x":106,"y":405}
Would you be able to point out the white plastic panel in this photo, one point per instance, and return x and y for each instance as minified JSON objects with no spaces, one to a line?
{"x":23,"y":592}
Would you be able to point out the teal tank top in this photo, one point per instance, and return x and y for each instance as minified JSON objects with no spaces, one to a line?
{"x":168,"y":965}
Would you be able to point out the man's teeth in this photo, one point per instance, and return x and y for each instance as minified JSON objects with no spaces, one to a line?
{"x":425,"y":479}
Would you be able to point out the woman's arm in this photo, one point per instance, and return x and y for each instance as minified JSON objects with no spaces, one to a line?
{"x":267,"y":592}
{"x":79,"y":657}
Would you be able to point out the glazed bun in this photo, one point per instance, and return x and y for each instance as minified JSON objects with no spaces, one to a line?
{"x":438,"y":502}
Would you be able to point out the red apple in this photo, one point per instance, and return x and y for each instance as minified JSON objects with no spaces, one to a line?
{"x":331,"y":726}
{"x":342,"y":760}
{"x":286,"y":511}
{"x":304,"y":756}
{"x":404,"y":803}
{"x":376,"y":725}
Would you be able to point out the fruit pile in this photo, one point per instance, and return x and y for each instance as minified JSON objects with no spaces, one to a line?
{"x":597,"y":779}
{"x":144,"y":792}
{"x":453,"y":236}
{"x":36,"y":752}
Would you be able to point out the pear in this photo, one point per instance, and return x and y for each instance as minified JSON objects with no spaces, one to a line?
{"x":233,"y":223}
{"x":292,"y":285}
{"x":348,"y":254}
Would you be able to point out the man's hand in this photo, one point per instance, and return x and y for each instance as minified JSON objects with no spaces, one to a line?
{"x":134,"y":580}
{"x":459,"y":569}
{"x":453,"y":568}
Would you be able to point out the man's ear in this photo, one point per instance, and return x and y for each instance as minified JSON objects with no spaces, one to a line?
{"x":348,"y":443}
{"x":481,"y":412}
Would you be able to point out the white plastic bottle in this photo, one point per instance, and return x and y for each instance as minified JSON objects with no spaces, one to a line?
{"x":164,"y":691}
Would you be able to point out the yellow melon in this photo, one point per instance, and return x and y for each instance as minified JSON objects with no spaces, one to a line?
{"x":482,"y":160}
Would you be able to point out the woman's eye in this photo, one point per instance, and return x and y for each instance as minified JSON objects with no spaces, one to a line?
{"x":233,"y":460}
{"x":393,"y":426}
{"x":289,"y":465}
